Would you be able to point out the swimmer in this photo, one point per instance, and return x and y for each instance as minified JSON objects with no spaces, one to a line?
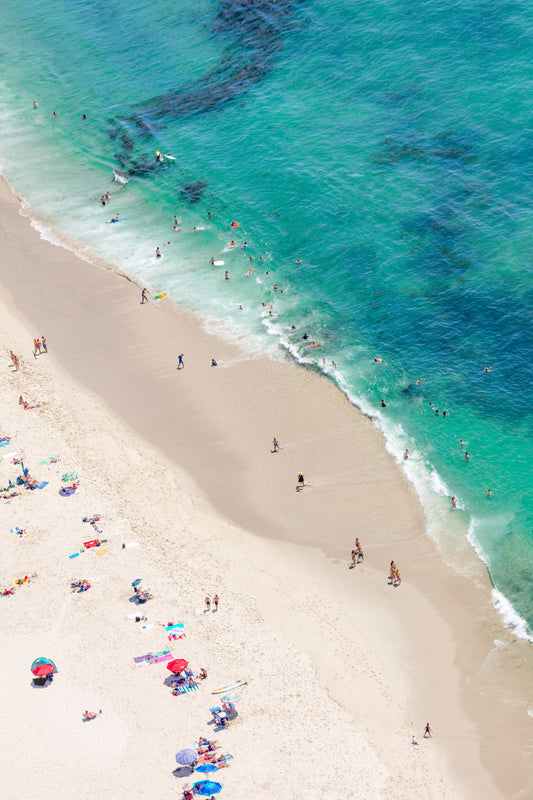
{"x":226,"y":276}
{"x":157,"y":252}
{"x":35,"y":103}
{"x":209,"y":215}
{"x":487,"y":369}
{"x":249,"y":272}
{"x":419,"y":380}
{"x":102,"y":199}
{"x":298,"y":261}
{"x":234,"y":225}
{"x":383,"y":404}
{"x":244,"y":246}
{"x":315,"y":344}
{"x":251,"y":258}
{"x":260,"y":258}
{"x":212,"y":262}
{"x":467,"y":456}
{"x":241,"y":308}
{"x":305,"y":337}
{"x":489,"y":493}
{"x":107,"y":196}
{"x":55,"y":114}
{"x":377,"y":360}
{"x":461,"y":442}
{"x":232,"y":243}
{"x":454,"y":502}
{"x":406,"y":455}
{"x":84,"y":116}
{"x":176,"y":228}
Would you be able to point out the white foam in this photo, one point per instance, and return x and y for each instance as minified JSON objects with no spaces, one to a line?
{"x":511,"y":618}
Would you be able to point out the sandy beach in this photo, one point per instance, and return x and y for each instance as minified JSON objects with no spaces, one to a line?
{"x":342,"y":668}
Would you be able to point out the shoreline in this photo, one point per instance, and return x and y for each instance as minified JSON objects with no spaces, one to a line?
{"x":225,"y":449}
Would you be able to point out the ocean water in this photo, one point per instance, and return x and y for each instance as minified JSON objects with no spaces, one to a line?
{"x":377,"y":158}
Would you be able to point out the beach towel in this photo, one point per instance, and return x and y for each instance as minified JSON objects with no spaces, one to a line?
{"x":171,"y":627}
{"x":131,"y":544}
{"x":101,"y":552}
{"x":162,"y":655}
{"x":141,"y":660}
{"x":10,"y":455}
{"x":173,"y":636}
{"x":91,"y":543}
{"x":75,"y":555}
{"x":48,"y":460}
{"x":4,"y":442}
{"x":42,"y":484}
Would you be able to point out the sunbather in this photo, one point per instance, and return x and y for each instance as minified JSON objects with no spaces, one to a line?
{"x":202,"y":674}
{"x":90,"y":715}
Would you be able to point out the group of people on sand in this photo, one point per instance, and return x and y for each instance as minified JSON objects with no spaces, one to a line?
{"x":357,"y":554}
{"x":39,"y":346}
{"x":26,"y":404}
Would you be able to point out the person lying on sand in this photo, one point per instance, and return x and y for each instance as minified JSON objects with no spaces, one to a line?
{"x":90,"y":715}
{"x":202,"y":674}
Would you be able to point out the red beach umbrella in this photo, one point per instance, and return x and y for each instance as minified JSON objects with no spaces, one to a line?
{"x":43,"y":669}
{"x":178,"y":665}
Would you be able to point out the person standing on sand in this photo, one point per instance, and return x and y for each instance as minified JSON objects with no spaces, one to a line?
{"x":427,"y":731}
{"x":43,"y":345}
{"x":181,"y":365}
{"x":216,"y":601}
{"x":207,"y":604}
{"x":301,"y":482}
{"x":144,"y":298}
{"x":354,"y":555}
{"x":275,"y":445}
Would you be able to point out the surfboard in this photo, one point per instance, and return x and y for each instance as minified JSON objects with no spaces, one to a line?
{"x":167,"y":155}
{"x":109,"y":221}
{"x":218,"y":263}
{"x":159,"y":296}
{"x":229,"y":686}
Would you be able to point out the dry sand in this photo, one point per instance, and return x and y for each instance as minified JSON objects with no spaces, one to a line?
{"x":342,"y":667}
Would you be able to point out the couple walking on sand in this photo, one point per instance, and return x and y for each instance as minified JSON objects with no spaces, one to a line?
{"x":208,"y":603}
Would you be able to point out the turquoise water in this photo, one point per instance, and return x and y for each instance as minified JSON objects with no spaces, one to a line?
{"x":385,"y":148}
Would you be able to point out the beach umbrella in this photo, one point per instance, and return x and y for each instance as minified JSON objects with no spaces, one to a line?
{"x":207,"y":768}
{"x":178,"y":665}
{"x":136,"y":582}
{"x":186,"y":757}
{"x":43,"y":661}
{"x":68,"y":477}
{"x":43,"y":669}
{"x":208,"y":787}
{"x":231,"y":697}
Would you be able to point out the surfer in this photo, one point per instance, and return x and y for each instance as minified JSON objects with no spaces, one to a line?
{"x":158,"y":156}
{"x":116,"y":218}
{"x":212,"y":262}
{"x":232,"y":243}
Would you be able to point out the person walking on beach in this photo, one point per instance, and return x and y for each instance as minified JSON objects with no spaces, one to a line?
{"x":207,"y":604}
{"x":215,"y":601}
{"x":275,"y":445}
{"x":301,"y":482}
{"x":144,"y":298}
{"x":428,"y":731}
{"x":43,"y":345}
{"x":181,"y":365}
{"x":354,"y":556}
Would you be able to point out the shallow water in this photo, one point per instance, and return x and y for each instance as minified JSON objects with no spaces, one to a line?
{"x":385,"y":147}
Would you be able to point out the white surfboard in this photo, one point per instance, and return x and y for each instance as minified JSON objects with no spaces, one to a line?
{"x":218,"y":263}
{"x":228,"y":686}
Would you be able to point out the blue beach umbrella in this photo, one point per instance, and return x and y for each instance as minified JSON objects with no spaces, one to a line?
{"x":186,"y":757}
{"x":136,"y":582}
{"x":208,"y":787}
{"x":206,"y":768}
